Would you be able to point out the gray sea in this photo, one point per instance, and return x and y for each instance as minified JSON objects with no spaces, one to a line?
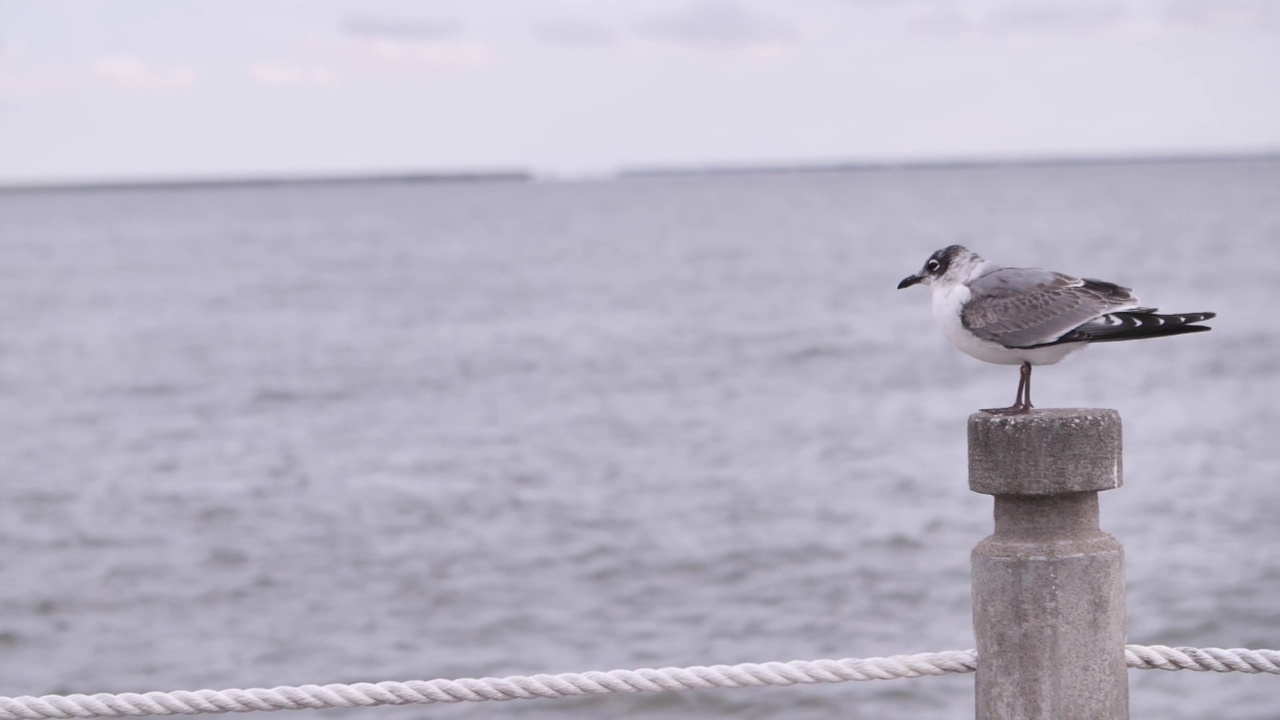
{"x":312,"y":434}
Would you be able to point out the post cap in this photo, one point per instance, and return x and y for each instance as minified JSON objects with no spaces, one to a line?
{"x":1045,"y":452}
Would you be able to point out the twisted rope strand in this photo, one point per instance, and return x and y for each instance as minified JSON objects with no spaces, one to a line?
{"x":1161,"y":657}
{"x":520,"y":687}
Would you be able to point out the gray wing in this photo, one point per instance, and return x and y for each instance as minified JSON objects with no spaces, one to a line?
{"x":1026,"y":307}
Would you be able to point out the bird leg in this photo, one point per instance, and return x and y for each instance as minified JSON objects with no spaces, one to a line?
{"x":1022,"y":403}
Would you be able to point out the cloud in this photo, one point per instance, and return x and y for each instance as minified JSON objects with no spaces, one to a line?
{"x":1264,"y":14}
{"x":1095,"y":18}
{"x":17,"y":80}
{"x":721,"y":26}
{"x":130,"y":73}
{"x":276,"y":74}
{"x":19,"y":77}
{"x":1047,"y":17}
{"x":575,"y":33}
{"x":1056,"y":17}
{"x":390,"y":56}
{"x":942,"y":21}
{"x":387,"y":46}
{"x":403,"y":29}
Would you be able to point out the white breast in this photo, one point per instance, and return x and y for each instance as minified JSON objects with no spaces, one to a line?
{"x":949,"y":300}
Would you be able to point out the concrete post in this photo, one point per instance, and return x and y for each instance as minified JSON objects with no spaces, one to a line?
{"x":1048,"y":585}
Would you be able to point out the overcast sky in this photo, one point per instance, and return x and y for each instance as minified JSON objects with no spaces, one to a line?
{"x":133,"y":89}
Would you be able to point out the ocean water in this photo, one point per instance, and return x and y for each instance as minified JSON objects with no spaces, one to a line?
{"x":314,"y":434}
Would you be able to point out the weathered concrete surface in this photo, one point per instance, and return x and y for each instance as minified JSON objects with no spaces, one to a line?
{"x":1048,"y":585}
{"x":1045,"y":452}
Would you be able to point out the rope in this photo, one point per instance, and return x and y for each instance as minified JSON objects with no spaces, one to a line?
{"x":516,"y":687}
{"x":1161,"y":657}
{"x":520,"y":687}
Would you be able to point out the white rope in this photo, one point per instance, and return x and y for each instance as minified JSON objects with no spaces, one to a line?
{"x":1161,"y":657}
{"x":517,"y":687}
{"x":520,"y":687}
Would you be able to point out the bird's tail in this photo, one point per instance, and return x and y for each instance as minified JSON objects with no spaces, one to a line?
{"x":1137,"y":324}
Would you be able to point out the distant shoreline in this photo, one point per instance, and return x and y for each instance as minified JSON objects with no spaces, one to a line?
{"x":954,"y":164}
{"x":283,"y":180}
{"x":523,"y":176}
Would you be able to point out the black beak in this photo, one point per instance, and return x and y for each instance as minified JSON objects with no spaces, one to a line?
{"x":910,"y":280}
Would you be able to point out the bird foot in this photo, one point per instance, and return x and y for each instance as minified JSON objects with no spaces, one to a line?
{"x":1011,"y":410}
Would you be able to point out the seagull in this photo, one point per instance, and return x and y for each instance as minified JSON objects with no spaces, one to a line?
{"x":1028,"y":316}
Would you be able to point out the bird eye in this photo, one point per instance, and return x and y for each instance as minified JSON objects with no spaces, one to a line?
{"x":932,"y":265}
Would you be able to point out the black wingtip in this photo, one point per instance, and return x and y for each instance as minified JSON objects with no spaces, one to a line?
{"x":1139,"y":325}
{"x":1136,"y":324}
{"x":1185,"y":320}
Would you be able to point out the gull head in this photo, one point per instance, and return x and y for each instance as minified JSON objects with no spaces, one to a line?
{"x":953,"y":264}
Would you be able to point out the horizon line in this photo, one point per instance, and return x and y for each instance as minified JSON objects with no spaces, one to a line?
{"x":628,"y":172}
{"x":952,"y":163}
